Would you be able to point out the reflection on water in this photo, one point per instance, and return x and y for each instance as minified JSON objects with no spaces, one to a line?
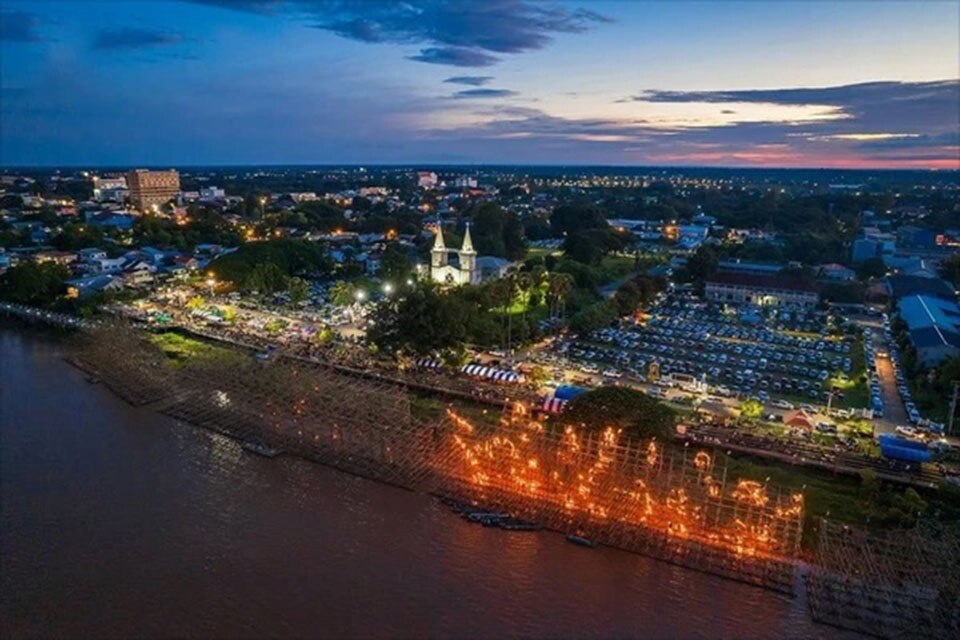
{"x":119,"y":522}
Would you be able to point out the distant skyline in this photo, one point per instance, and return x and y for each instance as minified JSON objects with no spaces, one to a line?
{"x":755,"y":84}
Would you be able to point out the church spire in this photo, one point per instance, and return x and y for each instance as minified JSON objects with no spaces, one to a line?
{"x":438,"y":244}
{"x":467,"y":242}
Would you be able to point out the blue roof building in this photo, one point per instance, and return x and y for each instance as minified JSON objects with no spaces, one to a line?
{"x":934,"y":327}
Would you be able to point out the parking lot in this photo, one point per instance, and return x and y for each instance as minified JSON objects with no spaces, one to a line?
{"x":698,"y":341}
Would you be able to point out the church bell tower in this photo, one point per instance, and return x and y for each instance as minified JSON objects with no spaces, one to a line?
{"x":468,"y":260}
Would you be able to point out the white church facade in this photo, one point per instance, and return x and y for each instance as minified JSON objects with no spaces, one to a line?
{"x":464,"y":272}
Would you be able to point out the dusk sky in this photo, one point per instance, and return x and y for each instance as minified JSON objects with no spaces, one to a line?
{"x":817,"y":84}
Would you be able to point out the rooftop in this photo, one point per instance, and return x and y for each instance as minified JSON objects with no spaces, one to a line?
{"x":758,"y":281}
{"x":932,"y":321}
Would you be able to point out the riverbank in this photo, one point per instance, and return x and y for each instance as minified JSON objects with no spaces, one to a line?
{"x":115,"y":517}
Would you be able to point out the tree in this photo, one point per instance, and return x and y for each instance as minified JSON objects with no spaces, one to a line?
{"x":580,"y":216}
{"x":627,"y":297}
{"x":497,"y":232}
{"x":621,"y":408}
{"x":290,"y":257}
{"x":950,"y":269}
{"x":422,"y":322}
{"x":596,"y":316}
{"x":871,"y":268}
{"x":298,"y":289}
{"x":751,"y":409}
{"x":325,"y":335}
{"x":591,"y":245}
{"x":702,"y":264}
{"x":559,"y":286}
{"x":33,"y":283}
{"x":266,"y":278}
{"x":343,"y":293}
{"x":869,"y":486}
{"x":395,"y":266}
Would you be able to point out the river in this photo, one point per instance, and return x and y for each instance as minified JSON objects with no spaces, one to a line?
{"x":117,"y":522}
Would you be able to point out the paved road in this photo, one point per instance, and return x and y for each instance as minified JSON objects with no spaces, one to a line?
{"x":893,"y":411}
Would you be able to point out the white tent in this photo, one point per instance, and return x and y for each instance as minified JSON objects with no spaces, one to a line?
{"x":491,"y":373}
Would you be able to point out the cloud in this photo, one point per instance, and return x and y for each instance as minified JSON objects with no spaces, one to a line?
{"x":451,"y":32}
{"x":889,"y":124}
{"x":129,"y":38}
{"x":851,"y":94}
{"x":254,"y":6}
{"x":455,"y":57}
{"x":19,"y":26}
{"x":473,"y":81}
{"x":899,"y":107}
{"x":484,"y":93}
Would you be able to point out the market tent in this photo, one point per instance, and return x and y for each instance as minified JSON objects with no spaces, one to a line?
{"x":568,"y":392}
{"x":798,"y":419}
{"x":491,"y":373}
{"x":553,"y":405}
{"x":428,"y":363}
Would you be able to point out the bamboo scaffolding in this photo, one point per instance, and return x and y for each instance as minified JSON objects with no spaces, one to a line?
{"x":905,"y":584}
{"x":638,"y":496}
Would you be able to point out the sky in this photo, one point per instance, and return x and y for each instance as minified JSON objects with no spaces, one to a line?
{"x":850,"y":84}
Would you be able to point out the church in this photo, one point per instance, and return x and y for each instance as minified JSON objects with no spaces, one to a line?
{"x":464,"y":272}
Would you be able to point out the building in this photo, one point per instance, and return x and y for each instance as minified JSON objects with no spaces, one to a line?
{"x":64,"y":258}
{"x":89,"y":285}
{"x":864,"y":249}
{"x":442,"y":271}
{"x":212,"y":193}
{"x":109,"y":188}
{"x":492,"y":267}
{"x":761,"y":290}
{"x":933,"y":325}
{"x":426,"y":179}
{"x":745,"y":266}
{"x":465,"y":182}
{"x":912,"y":237}
{"x":901,"y":286}
{"x":151,"y":189}
{"x":837,"y":272}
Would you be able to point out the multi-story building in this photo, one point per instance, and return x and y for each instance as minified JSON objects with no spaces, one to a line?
{"x":426,"y":179}
{"x":108,"y":187}
{"x":149,"y":189}
{"x":212,"y":193}
{"x":761,"y":290}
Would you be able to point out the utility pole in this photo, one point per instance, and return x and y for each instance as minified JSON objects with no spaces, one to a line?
{"x":953,"y":405}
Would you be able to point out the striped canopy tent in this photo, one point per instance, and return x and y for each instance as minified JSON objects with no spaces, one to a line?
{"x":428,"y":363}
{"x":553,"y":405}
{"x":491,"y":373}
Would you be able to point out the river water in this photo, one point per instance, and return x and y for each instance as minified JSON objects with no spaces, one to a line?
{"x":119,"y":522}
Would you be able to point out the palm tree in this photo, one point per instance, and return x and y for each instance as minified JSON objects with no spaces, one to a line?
{"x":560,"y":286}
{"x":500,"y":293}
{"x":524,"y":282}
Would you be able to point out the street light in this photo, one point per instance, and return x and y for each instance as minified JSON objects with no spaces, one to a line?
{"x":360,"y":295}
{"x":387,"y":288}
{"x":409,"y":282}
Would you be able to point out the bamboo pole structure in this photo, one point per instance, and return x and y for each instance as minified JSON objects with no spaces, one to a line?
{"x":639,"y":496}
{"x":903,"y":584}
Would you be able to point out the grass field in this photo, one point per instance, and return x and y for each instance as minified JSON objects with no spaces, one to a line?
{"x":180,"y":348}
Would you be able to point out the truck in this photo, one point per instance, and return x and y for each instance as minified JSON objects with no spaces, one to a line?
{"x":894,"y":447}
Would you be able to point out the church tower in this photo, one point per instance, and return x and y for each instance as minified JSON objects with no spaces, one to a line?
{"x":468,"y":260}
{"x":438,"y":256}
